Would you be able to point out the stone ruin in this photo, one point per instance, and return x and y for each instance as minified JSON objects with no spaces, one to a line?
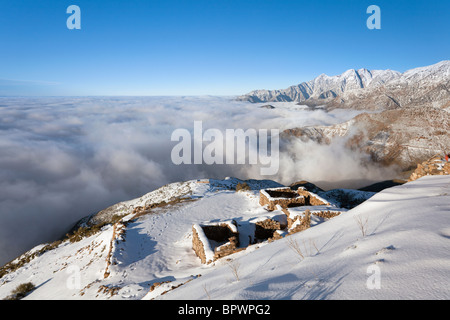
{"x":299,"y":219}
{"x":289,"y":212}
{"x":267,"y":229}
{"x":214,"y":240}
{"x":286,"y":197}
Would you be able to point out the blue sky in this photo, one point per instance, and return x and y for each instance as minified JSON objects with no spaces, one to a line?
{"x":208,"y":47}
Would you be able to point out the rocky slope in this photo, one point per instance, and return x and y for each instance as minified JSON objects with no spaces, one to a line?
{"x":401,"y":137}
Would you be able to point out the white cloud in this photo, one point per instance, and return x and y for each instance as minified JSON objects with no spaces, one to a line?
{"x":65,"y":158}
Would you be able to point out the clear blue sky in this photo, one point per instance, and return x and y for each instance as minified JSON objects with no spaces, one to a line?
{"x":215,"y":47}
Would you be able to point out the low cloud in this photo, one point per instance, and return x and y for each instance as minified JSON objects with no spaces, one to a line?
{"x":329,"y":165}
{"x":64,"y":158}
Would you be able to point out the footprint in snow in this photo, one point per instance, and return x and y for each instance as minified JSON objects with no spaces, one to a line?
{"x":386,"y":250}
{"x":349,"y":250}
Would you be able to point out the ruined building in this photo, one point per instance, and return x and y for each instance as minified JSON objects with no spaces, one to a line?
{"x":288,"y":211}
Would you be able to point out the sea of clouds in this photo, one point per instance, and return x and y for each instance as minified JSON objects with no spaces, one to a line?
{"x":62,"y":159}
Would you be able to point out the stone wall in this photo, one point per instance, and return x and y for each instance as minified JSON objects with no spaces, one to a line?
{"x":265,"y":229}
{"x":201,"y":234}
{"x":299,"y":222}
{"x":284,"y":197}
{"x":229,"y":248}
{"x":276,"y":236}
{"x":327,"y":214}
{"x":219,"y":233}
{"x":311,"y":199}
{"x":197,"y":246}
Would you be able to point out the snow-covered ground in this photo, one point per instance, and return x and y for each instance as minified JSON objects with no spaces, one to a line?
{"x":405,"y":250}
{"x":393,"y":246}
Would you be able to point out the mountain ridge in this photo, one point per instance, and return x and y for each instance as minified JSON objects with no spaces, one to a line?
{"x":353,"y":84}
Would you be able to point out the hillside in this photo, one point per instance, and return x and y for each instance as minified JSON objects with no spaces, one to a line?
{"x":401,"y":137}
{"x":406,"y":244}
{"x":142,"y":249}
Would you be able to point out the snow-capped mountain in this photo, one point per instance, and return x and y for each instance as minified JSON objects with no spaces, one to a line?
{"x":142,"y":249}
{"x":366,"y":89}
{"x":324,"y":87}
{"x":407,"y":119}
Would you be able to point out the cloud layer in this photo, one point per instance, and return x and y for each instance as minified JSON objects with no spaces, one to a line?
{"x":64,"y":158}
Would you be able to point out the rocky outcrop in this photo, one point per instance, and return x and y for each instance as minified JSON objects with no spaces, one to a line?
{"x":437,"y":165}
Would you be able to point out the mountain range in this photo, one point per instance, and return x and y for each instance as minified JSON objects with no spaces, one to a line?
{"x":405,"y":117}
{"x":367,"y":89}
